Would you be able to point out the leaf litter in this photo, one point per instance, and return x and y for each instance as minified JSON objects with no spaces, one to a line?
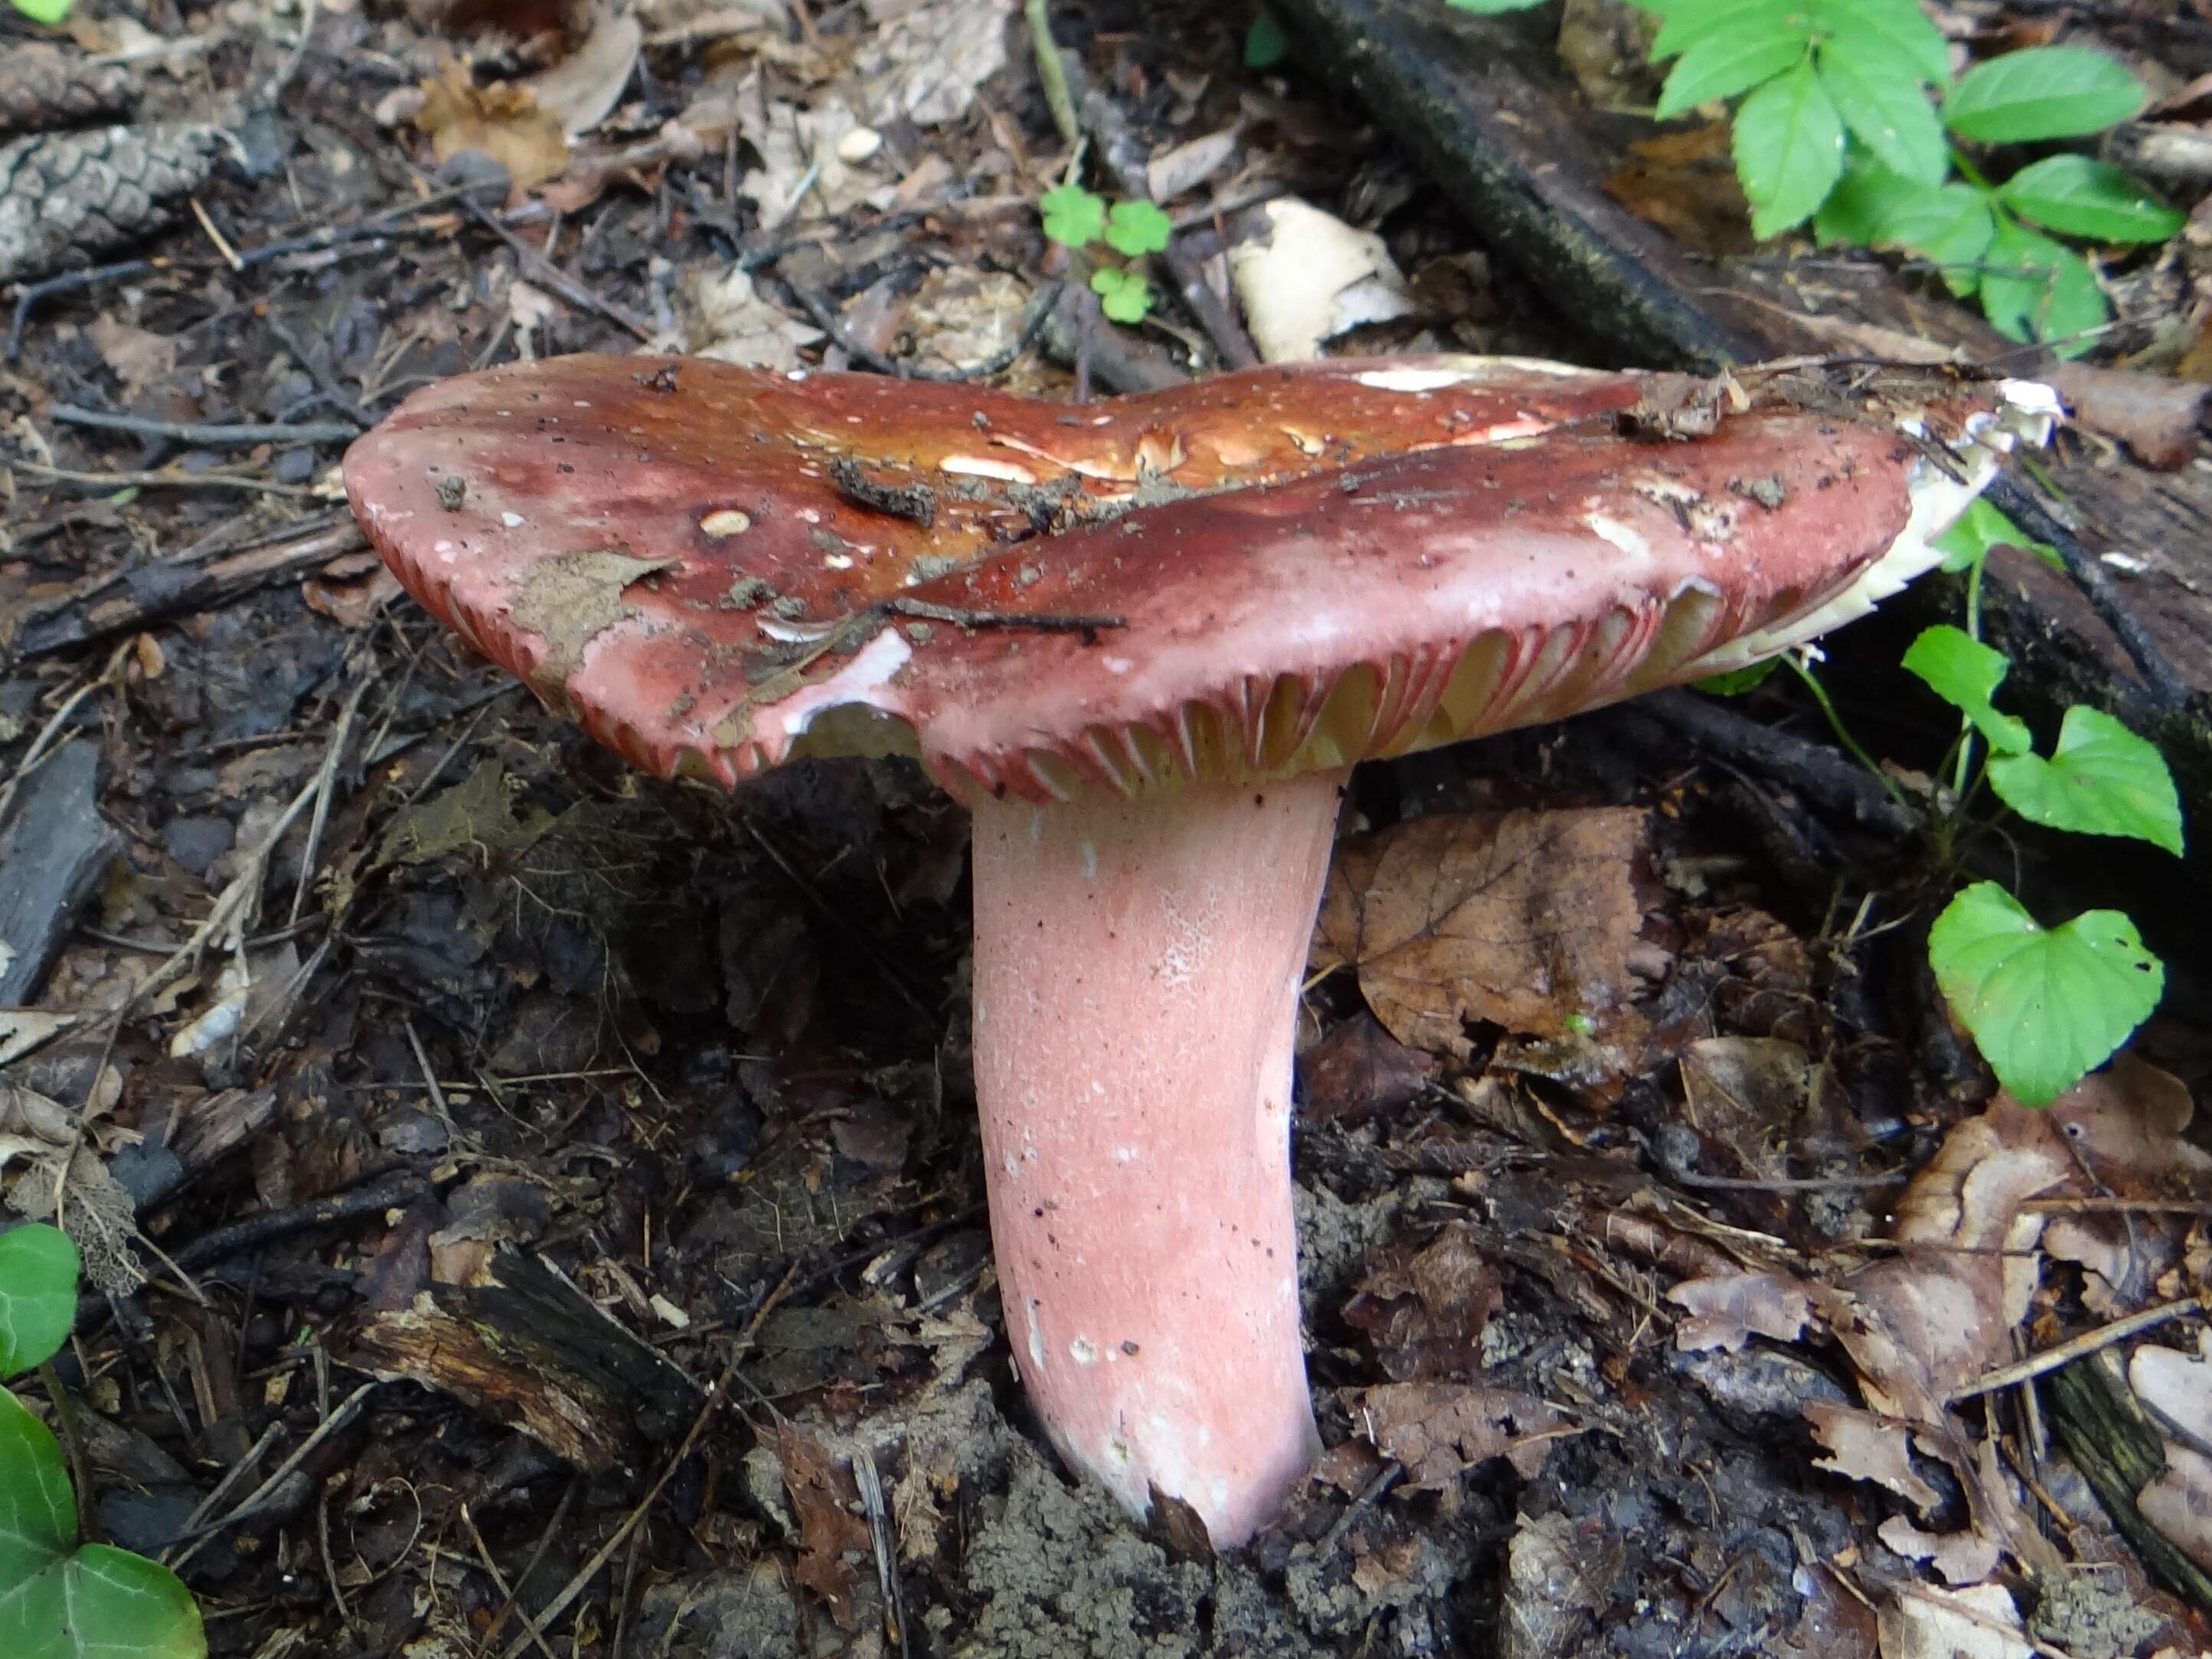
{"x":553,"y":1097}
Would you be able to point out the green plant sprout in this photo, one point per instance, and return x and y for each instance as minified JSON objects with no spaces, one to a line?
{"x":1076,"y":217}
{"x":49,"y":12}
{"x":61,"y":1598}
{"x":2045,"y":1004}
{"x":1847,"y":116}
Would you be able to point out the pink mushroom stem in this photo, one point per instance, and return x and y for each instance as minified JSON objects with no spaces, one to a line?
{"x":1137,"y":971}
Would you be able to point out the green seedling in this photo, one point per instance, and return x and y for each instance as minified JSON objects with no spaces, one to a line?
{"x":1076,"y":218}
{"x":1847,"y":117}
{"x":49,"y":12}
{"x":60,"y":1597}
{"x":2045,"y":1004}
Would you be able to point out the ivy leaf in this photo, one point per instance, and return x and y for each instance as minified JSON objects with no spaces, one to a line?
{"x":1123,"y":295}
{"x":1893,"y":33}
{"x":38,"y":1269}
{"x":1138,"y":227}
{"x":1965,"y":673}
{"x":2044,"y":1004}
{"x":2044,"y":92}
{"x":1888,"y":113}
{"x":1764,"y":45}
{"x":1789,"y":145}
{"x":2094,"y":200}
{"x":2035,"y":289}
{"x":61,"y":1600}
{"x":1073,"y":217}
{"x":2101,"y":779}
{"x":1264,"y":45}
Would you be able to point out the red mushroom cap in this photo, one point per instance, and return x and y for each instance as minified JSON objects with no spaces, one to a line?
{"x":1297,"y":567}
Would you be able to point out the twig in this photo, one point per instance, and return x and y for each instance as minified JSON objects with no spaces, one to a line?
{"x":484,"y":1554}
{"x":1040,"y":621}
{"x":2088,"y":1342}
{"x":394,"y":1189}
{"x":219,"y":434}
{"x":163,"y":480}
{"x":318,"y":372}
{"x":325,"y":778}
{"x":543,"y":272}
{"x":544,"y":1541}
{"x":253,"y":1500}
{"x":605,"y":1554}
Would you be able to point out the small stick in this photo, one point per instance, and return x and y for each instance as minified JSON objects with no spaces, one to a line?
{"x":960,"y":616}
{"x":323,"y":1430}
{"x":2066,"y":1352}
{"x":164,"y":480}
{"x":1051,"y":72}
{"x":484,"y":1554}
{"x":542,"y":271}
{"x":220,"y":434}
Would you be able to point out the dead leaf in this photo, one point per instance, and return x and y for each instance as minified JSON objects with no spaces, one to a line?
{"x":1834,"y":1623}
{"x":1359,"y":1071}
{"x":1726,"y":1312}
{"x":2177,"y":1386}
{"x":1188,"y":166}
{"x":1558,"y":1573}
{"x":582,"y":89}
{"x":726,"y":318}
{"x":1685,"y":183}
{"x":1425,"y":1310}
{"x":1310,"y":278}
{"x":138,"y":358}
{"x":2178,"y":1503}
{"x":1862,"y":1446}
{"x":1962,"y":1557}
{"x":801,"y":169}
{"x":834,"y":1537}
{"x":1921,"y":1622}
{"x":2156,"y":417}
{"x":1529,"y":920}
{"x":1750,"y":1098}
{"x":1439,"y":1430}
{"x":503,"y":120}
{"x":926,"y":63}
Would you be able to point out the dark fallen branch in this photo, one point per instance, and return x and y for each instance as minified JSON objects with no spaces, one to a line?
{"x":394,"y":1189}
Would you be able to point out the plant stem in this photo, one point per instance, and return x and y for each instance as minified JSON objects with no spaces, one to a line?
{"x":1051,"y":72}
{"x":72,"y":1444}
{"x":1843,"y":735}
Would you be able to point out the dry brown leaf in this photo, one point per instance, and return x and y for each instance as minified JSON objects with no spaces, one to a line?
{"x":582,"y":89}
{"x":832,"y":1534}
{"x":1425,"y":1312}
{"x":1862,"y":1446}
{"x":1750,"y":1097}
{"x":926,"y":63}
{"x":139,"y":358}
{"x":2179,"y":1503}
{"x":1834,"y":1623}
{"x":503,"y":121}
{"x":2156,"y":417}
{"x":1685,"y":183}
{"x":1962,"y":1557}
{"x":1921,"y":1622}
{"x":1529,"y":920}
{"x":2177,"y":1386}
{"x":1439,"y":1430}
{"x":1725,"y":1312}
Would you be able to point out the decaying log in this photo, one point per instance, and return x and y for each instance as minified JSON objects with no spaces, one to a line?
{"x":2114,"y":1445}
{"x":53,"y":849}
{"x":524,"y":1348}
{"x":1481,"y":103}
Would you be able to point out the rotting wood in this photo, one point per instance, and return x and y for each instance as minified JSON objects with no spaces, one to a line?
{"x":1480,"y":104}
{"x":54,"y":850}
{"x":2110,"y":1440}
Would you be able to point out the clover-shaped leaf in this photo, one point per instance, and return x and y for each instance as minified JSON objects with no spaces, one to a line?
{"x":1965,"y":673}
{"x":2045,"y":1005}
{"x":1123,"y":295}
{"x":2101,"y":779}
{"x":63,"y":1600}
{"x":1136,"y":228}
{"x":38,"y":1295}
{"x":1073,"y":217}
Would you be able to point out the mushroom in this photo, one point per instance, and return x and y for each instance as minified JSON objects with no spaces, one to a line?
{"x":1143,"y":640}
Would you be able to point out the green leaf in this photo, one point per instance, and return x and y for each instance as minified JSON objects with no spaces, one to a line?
{"x":1789,"y":145}
{"x":1965,"y":673}
{"x":1138,"y":227}
{"x":1264,"y":45}
{"x":2078,"y":197}
{"x":1688,"y":21}
{"x":1982,"y":527}
{"x":38,"y":1295}
{"x":1123,"y":295}
{"x":1891,"y":116}
{"x":1862,"y":199}
{"x":2101,"y":779}
{"x":1950,"y":227}
{"x":62,"y":1601}
{"x":1722,"y":65}
{"x":2045,"y":1005}
{"x":2035,"y":289}
{"x":1893,"y":33}
{"x":49,"y":12}
{"x":1073,"y":217}
{"x":2044,"y":92}
{"x":1737,"y":681}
